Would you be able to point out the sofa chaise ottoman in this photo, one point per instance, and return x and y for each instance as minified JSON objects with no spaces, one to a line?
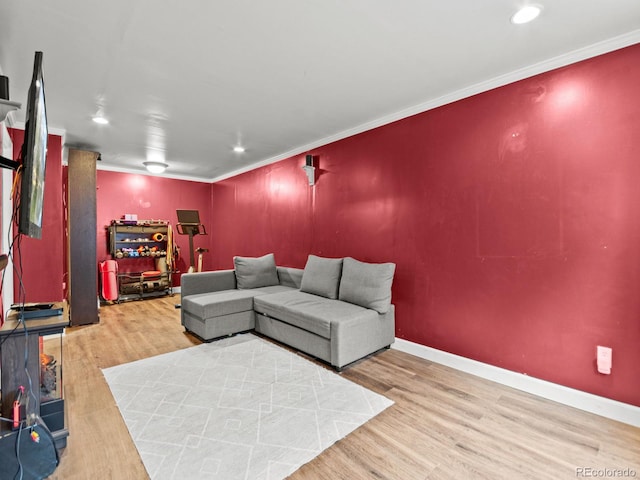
{"x":337,"y":310}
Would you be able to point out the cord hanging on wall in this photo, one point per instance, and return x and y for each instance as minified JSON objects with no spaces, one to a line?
{"x":310,"y":170}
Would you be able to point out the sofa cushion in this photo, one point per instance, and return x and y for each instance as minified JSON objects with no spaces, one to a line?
{"x":321,"y":276}
{"x":309,"y":312}
{"x":272,"y":289}
{"x":254,"y":272}
{"x":367,"y":284}
{"x":215,"y":304}
{"x":290,"y":276}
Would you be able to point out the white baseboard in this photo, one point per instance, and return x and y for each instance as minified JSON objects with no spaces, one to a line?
{"x":588,"y":402}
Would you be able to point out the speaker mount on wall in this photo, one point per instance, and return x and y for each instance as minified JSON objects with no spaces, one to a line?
{"x":310,"y":170}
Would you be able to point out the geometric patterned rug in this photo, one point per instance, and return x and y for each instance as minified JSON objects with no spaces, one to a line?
{"x":236,"y":408}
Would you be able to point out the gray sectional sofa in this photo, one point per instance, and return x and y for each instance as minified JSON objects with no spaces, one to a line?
{"x":337,"y":310}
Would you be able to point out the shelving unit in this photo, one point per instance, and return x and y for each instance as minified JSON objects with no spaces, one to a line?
{"x":6,"y":106}
{"x":140,"y":243}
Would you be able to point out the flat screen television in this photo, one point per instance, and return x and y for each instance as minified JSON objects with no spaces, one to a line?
{"x":34,"y":156}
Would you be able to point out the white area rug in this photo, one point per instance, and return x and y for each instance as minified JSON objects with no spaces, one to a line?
{"x":238,"y":408}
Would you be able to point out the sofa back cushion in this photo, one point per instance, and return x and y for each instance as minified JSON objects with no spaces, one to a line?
{"x":321,"y":276}
{"x":367,"y":284}
{"x":252,"y":272}
{"x":290,"y":276}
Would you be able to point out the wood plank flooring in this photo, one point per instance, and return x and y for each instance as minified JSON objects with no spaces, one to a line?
{"x":444,"y":424}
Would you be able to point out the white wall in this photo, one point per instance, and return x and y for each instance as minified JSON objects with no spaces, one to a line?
{"x":6,"y":180}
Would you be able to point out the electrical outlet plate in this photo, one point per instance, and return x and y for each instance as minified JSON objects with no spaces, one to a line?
{"x":603,"y":358}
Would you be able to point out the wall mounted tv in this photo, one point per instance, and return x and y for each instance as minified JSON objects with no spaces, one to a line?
{"x":34,"y":156}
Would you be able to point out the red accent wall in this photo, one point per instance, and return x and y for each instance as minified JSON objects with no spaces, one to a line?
{"x":512,"y":217}
{"x":43,"y":263}
{"x":155,"y":198}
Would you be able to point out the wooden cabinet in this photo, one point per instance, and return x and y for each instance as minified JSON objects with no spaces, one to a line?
{"x":31,"y":357}
{"x":141,"y":253}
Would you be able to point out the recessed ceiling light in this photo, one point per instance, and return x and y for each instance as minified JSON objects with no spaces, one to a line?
{"x":155,"y":167}
{"x":526,"y":14}
{"x":239,"y":149}
{"x":100,"y":119}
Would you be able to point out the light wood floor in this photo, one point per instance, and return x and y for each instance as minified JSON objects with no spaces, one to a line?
{"x":444,"y":424}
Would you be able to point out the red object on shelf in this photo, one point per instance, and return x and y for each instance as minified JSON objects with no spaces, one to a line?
{"x":151,"y":274}
{"x":108,"y":273}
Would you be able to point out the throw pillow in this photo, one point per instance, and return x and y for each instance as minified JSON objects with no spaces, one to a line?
{"x":321,"y":276}
{"x":367,"y":284}
{"x":252,"y":272}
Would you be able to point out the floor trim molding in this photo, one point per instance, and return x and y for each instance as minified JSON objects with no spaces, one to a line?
{"x":602,"y":406}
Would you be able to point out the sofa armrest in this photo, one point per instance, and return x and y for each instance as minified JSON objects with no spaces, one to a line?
{"x":358,"y":337}
{"x":206,"y":282}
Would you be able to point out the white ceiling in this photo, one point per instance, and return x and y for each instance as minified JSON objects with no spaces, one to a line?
{"x":186,"y":81}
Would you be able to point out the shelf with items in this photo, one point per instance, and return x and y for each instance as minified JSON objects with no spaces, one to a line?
{"x":130,"y":243}
{"x":138,"y":240}
{"x":140,"y":250}
{"x":7,"y":106}
{"x":144,"y":284}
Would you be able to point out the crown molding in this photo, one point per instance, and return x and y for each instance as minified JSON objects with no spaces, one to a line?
{"x":569,"y":58}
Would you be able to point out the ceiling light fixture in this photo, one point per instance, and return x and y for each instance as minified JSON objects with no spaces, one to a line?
{"x":100,"y":120}
{"x":526,"y":14}
{"x":239,"y":149}
{"x":155,"y":167}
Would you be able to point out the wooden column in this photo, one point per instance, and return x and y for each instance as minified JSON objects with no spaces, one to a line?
{"x":83,"y":269}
